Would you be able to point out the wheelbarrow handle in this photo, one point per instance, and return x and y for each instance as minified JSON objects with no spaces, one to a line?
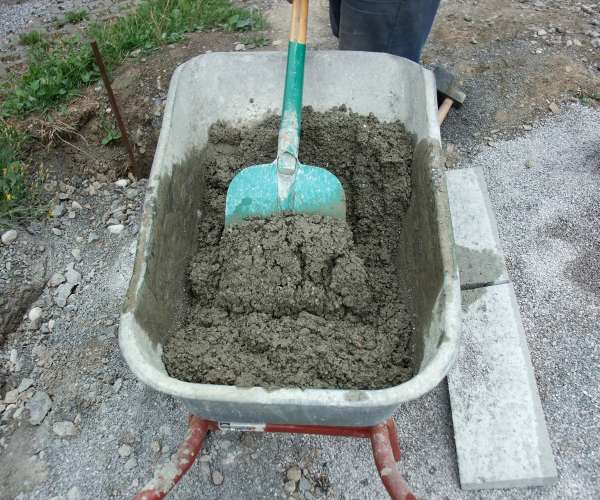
{"x":291,"y":115}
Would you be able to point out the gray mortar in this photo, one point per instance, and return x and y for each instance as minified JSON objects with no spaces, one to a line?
{"x":295,"y":301}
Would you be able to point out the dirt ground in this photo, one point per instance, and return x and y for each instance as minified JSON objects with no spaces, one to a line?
{"x":66,"y":389}
{"x":518,"y":60}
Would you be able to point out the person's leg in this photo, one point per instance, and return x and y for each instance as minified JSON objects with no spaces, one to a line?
{"x":398,"y":27}
{"x":334,"y":16}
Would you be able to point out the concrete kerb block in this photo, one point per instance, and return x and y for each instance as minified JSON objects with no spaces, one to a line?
{"x":499,"y":425}
{"x":477,"y":245}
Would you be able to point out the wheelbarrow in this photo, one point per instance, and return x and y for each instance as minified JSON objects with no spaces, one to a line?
{"x":218,"y":86}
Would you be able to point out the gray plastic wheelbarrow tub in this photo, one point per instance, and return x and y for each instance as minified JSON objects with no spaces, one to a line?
{"x":241,"y":88}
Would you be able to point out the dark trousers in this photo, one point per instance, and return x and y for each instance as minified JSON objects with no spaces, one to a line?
{"x":398,"y":27}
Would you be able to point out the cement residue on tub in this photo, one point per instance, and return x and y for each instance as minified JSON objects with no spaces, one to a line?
{"x":295,"y":300}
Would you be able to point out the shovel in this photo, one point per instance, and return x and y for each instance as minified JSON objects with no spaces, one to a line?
{"x":286,"y":185}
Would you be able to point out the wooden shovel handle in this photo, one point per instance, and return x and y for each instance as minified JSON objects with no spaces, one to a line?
{"x":299,"y":21}
{"x":443,"y":109}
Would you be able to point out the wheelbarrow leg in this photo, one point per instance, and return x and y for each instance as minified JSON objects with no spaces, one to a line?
{"x":391,"y":427}
{"x":386,"y":453}
{"x":166,"y":477}
{"x":384,"y":440}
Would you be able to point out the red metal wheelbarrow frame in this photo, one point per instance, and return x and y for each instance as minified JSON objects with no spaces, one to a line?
{"x":384,"y":441}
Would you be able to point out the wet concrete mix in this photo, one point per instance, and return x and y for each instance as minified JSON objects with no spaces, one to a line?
{"x":302,"y":301}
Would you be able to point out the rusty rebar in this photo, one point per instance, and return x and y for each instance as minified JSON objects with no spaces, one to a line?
{"x":115,"y":107}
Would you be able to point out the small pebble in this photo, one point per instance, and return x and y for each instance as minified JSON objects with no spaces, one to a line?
{"x":217,"y":478}
{"x":64,"y":429}
{"x":9,"y":236}
{"x":122,"y":183}
{"x":35,"y":316}
{"x":130,"y":464}
{"x":74,"y":494}
{"x":117,"y":385}
{"x":39,"y":406}
{"x":294,"y":474}
{"x":56,"y":279}
{"x":57,"y":210}
{"x":554,"y":107}
{"x":25,"y":384}
{"x":11,"y":397}
{"x":125,"y":450}
{"x":56,"y":231}
{"x":92,"y":237}
{"x":305,"y":485}
{"x":116,"y":228}
{"x":72,"y":276}
{"x":289,"y":486}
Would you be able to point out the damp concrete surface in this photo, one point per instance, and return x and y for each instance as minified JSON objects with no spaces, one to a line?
{"x":302,"y":301}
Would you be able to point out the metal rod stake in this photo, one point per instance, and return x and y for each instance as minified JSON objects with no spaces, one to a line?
{"x":133,"y":166}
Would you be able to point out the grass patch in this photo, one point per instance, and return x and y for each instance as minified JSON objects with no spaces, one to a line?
{"x":31,"y":38}
{"x":19,"y":191}
{"x":76,"y":16}
{"x":59,"y":69}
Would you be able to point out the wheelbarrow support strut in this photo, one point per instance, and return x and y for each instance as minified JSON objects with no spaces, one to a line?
{"x":384,"y":441}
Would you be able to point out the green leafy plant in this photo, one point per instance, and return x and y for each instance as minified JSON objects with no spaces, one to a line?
{"x":110,"y":130}
{"x":76,"y":16}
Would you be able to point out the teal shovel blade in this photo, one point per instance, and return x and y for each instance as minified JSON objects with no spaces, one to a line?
{"x":253,"y":193}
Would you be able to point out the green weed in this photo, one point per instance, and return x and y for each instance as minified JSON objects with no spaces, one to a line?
{"x":111,"y":132}
{"x":19,"y":191}
{"x":253,"y":41}
{"x":76,"y":16}
{"x":31,"y":38}
{"x":57,"y":71}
